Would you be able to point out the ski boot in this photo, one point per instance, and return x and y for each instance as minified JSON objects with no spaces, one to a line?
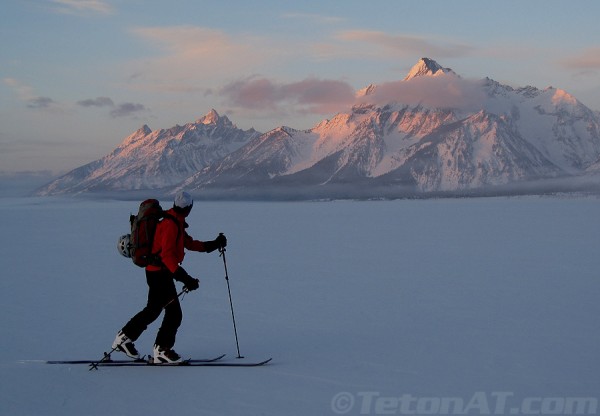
{"x":125,"y":345}
{"x":165,"y":356}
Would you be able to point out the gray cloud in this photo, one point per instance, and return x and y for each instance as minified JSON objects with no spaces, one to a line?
{"x":446,"y":91}
{"x":40,"y":102}
{"x":120,"y":110}
{"x":311,"y":95}
{"x":127,"y":109}
{"x":97,"y":102}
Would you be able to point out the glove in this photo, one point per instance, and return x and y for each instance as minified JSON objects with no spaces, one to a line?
{"x":192,"y":284}
{"x":219,"y":243}
{"x":188,"y":281}
{"x":181,"y":275}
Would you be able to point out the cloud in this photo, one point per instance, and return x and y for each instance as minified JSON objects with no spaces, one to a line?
{"x":311,"y":95}
{"x":27,"y":94}
{"x":445,"y":91}
{"x":312,"y":17}
{"x":323,"y":96}
{"x":190,"y":55}
{"x":40,"y":102}
{"x":127,"y":109}
{"x":83,"y":7}
{"x":395,"y":46}
{"x":188,"y":41}
{"x":201,"y":60}
{"x":586,"y":60}
{"x":23,"y":91}
{"x":97,"y":102}
{"x":120,"y":110}
{"x":380,"y":46}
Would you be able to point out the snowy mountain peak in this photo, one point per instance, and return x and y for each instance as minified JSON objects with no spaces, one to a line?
{"x":427,"y":67}
{"x":212,"y":117}
{"x":137,"y":136}
{"x":563,"y":97}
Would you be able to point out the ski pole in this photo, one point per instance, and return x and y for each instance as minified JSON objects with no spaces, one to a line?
{"x":94,"y":366}
{"x":183,"y":292}
{"x":222,"y":251}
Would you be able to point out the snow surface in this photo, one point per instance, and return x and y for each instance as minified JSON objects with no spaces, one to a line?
{"x":429,"y":298}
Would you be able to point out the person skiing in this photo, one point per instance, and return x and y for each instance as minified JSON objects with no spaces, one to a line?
{"x":170,"y":242}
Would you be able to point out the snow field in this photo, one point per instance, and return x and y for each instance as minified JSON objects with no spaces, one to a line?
{"x":432,"y":298}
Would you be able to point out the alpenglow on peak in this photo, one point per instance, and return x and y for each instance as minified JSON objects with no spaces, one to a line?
{"x":212,"y":117}
{"x":428,"y":67}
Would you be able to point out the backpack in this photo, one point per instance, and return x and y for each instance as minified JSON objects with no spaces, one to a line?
{"x":143,"y":228}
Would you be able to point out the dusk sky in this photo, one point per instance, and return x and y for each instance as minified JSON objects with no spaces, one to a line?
{"x":78,"y":76}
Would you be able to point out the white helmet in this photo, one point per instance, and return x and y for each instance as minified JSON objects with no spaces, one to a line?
{"x":124,"y":245}
{"x":183,"y":200}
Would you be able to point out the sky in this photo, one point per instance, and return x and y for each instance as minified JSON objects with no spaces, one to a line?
{"x":78,"y":76}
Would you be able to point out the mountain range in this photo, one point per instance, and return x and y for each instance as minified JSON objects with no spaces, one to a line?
{"x":431,"y":133}
{"x":156,"y":160}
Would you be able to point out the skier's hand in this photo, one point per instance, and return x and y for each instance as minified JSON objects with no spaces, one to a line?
{"x":221,"y":241}
{"x":192,"y":284}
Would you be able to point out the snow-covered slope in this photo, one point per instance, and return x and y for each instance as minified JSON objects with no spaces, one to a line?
{"x":156,"y":159}
{"x":487,"y":306}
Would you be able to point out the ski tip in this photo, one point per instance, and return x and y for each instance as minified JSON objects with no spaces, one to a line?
{"x":260,"y":363}
{"x":257,"y":363}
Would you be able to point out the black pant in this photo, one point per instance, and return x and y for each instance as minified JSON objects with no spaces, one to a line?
{"x":161,"y":290}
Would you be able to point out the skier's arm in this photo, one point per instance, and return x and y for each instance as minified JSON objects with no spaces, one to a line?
{"x":205,"y":246}
{"x":193,"y":245}
{"x":182,"y":276}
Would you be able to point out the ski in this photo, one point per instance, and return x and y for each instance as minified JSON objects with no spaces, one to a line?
{"x":132,"y":362}
{"x":190,"y":363}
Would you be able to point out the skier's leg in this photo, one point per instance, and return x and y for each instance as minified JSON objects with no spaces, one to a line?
{"x":157,"y":298}
{"x":165,"y":339}
{"x":171,"y":321}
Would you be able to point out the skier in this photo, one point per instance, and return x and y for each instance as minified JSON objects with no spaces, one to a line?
{"x":169,"y":243}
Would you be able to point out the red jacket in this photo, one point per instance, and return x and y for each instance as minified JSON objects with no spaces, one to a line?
{"x":170,"y":241}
